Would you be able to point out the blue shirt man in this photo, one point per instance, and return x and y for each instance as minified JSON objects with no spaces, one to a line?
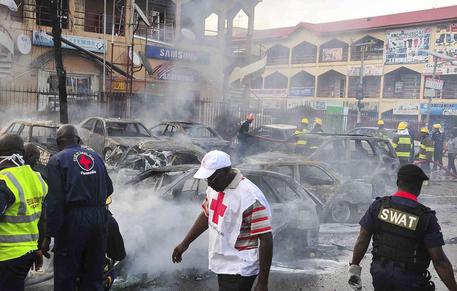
{"x":76,"y":213}
{"x":406,"y":237}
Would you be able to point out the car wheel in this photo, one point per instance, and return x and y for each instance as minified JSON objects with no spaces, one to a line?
{"x":341,"y":212}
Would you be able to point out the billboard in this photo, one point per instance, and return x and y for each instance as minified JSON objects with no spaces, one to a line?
{"x":172,"y":54}
{"x":403,"y":45}
{"x":446,"y":39}
{"x":96,"y":45}
{"x":440,"y":109}
{"x":332,"y":54}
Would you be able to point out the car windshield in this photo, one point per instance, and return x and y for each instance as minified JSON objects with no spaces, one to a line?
{"x":127,"y":129}
{"x":44,"y":134}
{"x":199,"y":131}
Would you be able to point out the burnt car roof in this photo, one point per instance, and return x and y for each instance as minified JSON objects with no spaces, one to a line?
{"x":111,"y":119}
{"x":182,"y":122}
{"x":279,"y":158}
{"x":344,"y":135}
{"x":47,"y":123}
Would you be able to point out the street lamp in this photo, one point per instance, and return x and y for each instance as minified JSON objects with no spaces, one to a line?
{"x":437,"y":56}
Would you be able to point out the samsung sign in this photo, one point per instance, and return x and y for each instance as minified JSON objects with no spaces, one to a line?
{"x":171,"y":54}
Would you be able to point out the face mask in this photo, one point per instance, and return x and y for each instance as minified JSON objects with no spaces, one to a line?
{"x":16,"y":159}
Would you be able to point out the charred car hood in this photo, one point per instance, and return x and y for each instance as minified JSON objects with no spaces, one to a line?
{"x":128,"y":141}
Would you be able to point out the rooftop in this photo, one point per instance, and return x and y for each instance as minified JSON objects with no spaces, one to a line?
{"x":427,"y":16}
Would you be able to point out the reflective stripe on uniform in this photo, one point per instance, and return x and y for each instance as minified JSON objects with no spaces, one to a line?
{"x":18,"y":238}
{"x":403,"y":154}
{"x":404,"y":140}
{"x":20,"y":218}
{"x":22,"y":205}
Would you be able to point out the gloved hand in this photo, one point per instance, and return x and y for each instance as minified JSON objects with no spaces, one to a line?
{"x":354,"y":279}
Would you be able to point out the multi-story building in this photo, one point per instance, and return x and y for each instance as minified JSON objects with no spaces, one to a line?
{"x":318,"y":65}
{"x":175,"y":63}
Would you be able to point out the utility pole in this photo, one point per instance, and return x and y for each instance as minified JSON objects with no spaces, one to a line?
{"x":360,"y":93}
{"x":429,"y":107}
{"x":56,"y":21}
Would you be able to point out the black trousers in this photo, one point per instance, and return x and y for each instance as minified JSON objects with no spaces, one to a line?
{"x":235,"y":282}
{"x":14,"y":271}
{"x":451,"y":163}
{"x":80,"y":250}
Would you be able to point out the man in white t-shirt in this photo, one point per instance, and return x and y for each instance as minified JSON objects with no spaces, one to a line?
{"x":239,"y":220}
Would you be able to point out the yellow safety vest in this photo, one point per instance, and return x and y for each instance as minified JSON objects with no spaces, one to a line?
{"x":426,"y":149}
{"x":301,"y":137}
{"x":19,"y":225}
{"x":403,"y":146}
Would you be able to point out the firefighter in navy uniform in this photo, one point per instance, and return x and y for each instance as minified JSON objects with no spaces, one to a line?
{"x":301,"y":145}
{"x":76,"y":213}
{"x":406,"y":237}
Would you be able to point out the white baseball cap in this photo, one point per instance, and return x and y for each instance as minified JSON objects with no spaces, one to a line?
{"x":212,"y":161}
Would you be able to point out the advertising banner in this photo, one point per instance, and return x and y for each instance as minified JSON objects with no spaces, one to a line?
{"x":368,"y":70}
{"x":402,"y":46}
{"x":172,"y":54}
{"x":434,"y":84}
{"x":406,"y":109}
{"x":170,"y":72}
{"x":332,"y":54}
{"x":440,"y":109}
{"x":441,"y":69}
{"x":301,"y":91}
{"x":446,"y":39}
{"x":273,"y":93}
{"x":91,"y":44}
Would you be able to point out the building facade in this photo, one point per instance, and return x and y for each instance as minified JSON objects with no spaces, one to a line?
{"x":319,"y":65}
{"x":174,"y":60}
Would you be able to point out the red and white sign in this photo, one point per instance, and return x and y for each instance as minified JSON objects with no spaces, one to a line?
{"x":434,"y":84}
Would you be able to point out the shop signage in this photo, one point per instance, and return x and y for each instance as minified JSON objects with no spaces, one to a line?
{"x":119,"y":86}
{"x":403,"y":46}
{"x":446,"y":39}
{"x":41,"y":38}
{"x":170,"y":72}
{"x":434,"y":84}
{"x":429,"y":93}
{"x":24,"y":44}
{"x":441,"y":69}
{"x":406,"y":109}
{"x":278,"y":93}
{"x":172,"y":54}
{"x":368,"y":70}
{"x":440,"y":109}
{"x":332,"y":54}
{"x":301,"y":91}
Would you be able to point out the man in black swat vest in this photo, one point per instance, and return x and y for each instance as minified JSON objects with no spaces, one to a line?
{"x":406,"y":236}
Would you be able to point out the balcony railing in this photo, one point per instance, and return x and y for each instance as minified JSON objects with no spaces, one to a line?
{"x":159,"y":31}
{"x":93,"y":22}
{"x":43,"y":16}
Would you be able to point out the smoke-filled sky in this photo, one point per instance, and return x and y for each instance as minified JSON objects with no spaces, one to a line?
{"x":279,"y":13}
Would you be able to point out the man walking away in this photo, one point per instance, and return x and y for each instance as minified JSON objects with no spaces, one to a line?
{"x":239,"y":221}
{"x":452,"y":152}
{"x":406,"y":236}
{"x":402,"y":143}
{"x":76,"y":213}
{"x":243,"y":136}
{"x":426,"y":150}
{"x":21,"y":195}
{"x":438,"y":139}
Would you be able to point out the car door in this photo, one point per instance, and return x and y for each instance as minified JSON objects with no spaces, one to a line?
{"x":317,"y":181}
{"x":98,"y":137}
{"x":279,"y":220}
{"x":86,"y":129}
{"x":363,"y":159}
{"x":25,"y":133}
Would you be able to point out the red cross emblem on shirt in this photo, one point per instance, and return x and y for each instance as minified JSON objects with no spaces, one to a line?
{"x":85,"y":161}
{"x":218,"y":207}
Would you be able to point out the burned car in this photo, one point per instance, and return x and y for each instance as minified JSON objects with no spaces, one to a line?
{"x":358,"y":157}
{"x":40,"y":133}
{"x":272,"y":137}
{"x":294,"y":209}
{"x":371,"y":131}
{"x":195,"y":133}
{"x":103,"y":135}
{"x":344,"y":200}
{"x":153,"y":154}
